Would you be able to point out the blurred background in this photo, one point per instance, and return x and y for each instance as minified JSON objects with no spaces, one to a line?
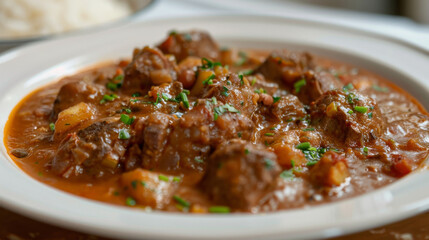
{"x":23,"y":21}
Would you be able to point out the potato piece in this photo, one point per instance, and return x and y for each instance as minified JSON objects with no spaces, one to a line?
{"x":203,"y":76}
{"x":149,"y":188}
{"x":72,"y":117}
{"x":286,"y":153}
{"x":330,"y":171}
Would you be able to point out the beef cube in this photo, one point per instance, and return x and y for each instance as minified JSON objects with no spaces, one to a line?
{"x":148,"y":67}
{"x":348,"y":117}
{"x":286,"y":66}
{"x":193,"y":43}
{"x":240,"y":174}
{"x":94,"y":151}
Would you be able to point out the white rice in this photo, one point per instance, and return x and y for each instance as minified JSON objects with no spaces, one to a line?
{"x":24,"y":18}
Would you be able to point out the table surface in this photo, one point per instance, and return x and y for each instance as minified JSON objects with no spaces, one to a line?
{"x":16,"y":227}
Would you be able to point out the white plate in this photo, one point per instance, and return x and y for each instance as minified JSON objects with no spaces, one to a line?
{"x":30,"y":67}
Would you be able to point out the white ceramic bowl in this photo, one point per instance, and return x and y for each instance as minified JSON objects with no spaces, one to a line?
{"x":30,"y":67}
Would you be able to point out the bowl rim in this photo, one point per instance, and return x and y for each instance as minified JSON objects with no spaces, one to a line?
{"x":365,"y":223}
{"x":98,"y":27}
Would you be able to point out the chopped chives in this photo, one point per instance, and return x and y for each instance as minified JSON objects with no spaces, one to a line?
{"x":225,"y":91}
{"x":130,"y":201}
{"x":52,"y":126}
{"x":308,"y":129}
{"x":299,"y":84}
{"x":361,"y":109}
{"x":269,"y":134}
{"x":219,"y":209}
{"x":209,"y":80}
{"x":303,"y":146}
{"x":163,"y":178}
{"x":124,"y":134}
{"x":176,"y":179}
{"x":181,"y":201}
{"x":127,"y":119}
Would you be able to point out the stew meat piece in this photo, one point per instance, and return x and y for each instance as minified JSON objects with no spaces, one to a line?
{"x":174,"y":129}
{"x":240,"y":173}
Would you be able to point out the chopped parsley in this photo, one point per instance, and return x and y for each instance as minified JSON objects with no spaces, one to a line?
{"x":241,"y":79}
{"x":269,"y":134}
{"x":127,"y":110}
{"x":276,"y":99}
{"x":198,"y":159}
{"x":299,"y":84}
{"x":124,"y":134}
{"x":136,"y":94}
{"x":370,"y":115}
{"x":239,"y":134}
{"x":127,"y":119}
{"x":246,"y":151}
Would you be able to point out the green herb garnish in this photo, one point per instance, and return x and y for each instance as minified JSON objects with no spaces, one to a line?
{"x":181,"y":201}
{"x":52,"y":126}
{"x":124,"y":134}
{"x":127,"y":119}
{"x":299,"y":84}
{"x":219,"y":209}
{"x":361,"y":109}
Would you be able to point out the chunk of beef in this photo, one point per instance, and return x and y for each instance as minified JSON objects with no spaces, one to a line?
{"x":240,"y":174}
{"x":313,"y":85}
{"x":286,"y":66}
{"x":186,"y":143}
{"x":148,"y":67}
{"x":193,"y":43}
{"x":73,"y":93}
{"x":288,"y":108}
{"x":234,"y":91}
{"x":349,"y":118}
{"x":94,"y":151}
{"x":155,"y":132}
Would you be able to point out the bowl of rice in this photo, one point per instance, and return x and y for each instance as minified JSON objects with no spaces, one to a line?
{"x":24,"y":21}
